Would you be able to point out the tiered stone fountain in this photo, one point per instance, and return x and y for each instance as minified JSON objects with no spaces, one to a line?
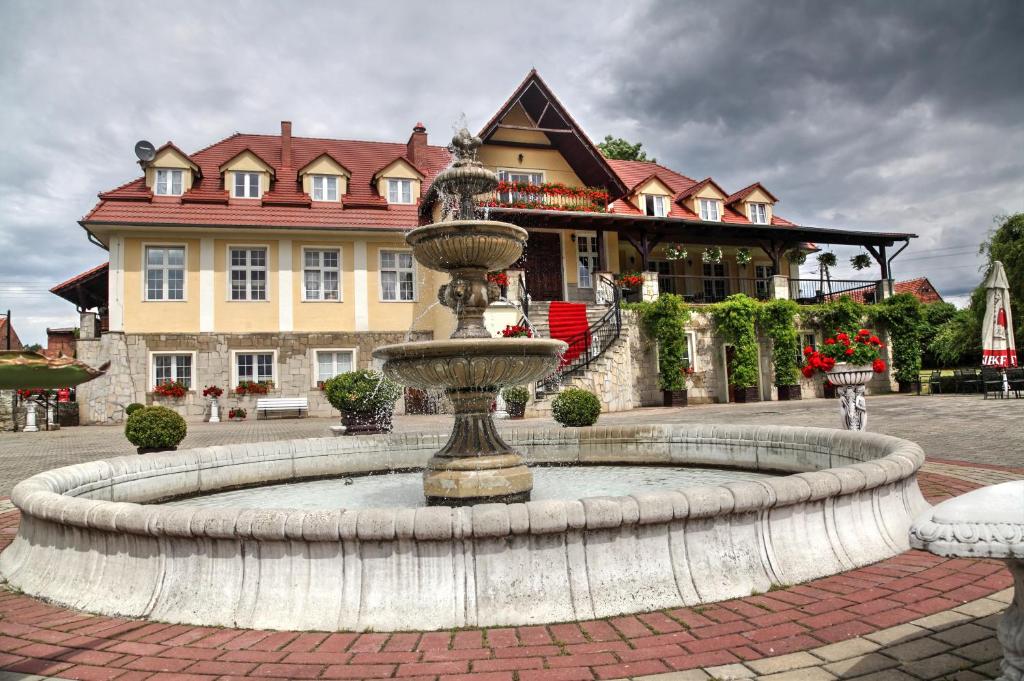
{"x":476,"y":465}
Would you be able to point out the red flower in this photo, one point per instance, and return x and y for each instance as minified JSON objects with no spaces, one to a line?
{"x":874,"y":340}
{"x":807,"y":371}
{"x":878,"y":366}
{"x":808,"y":351}
{"x":863,"y":332}
{"x":830,"y":341}
{"x":849,"y":351}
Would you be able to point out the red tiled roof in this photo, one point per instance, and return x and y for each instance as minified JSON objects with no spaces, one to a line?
{"x":79,"y":278}
{"x":920,"y":288}
{"x":743,"y":193}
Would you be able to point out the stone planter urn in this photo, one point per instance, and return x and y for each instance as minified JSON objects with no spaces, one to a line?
{"x":673,"y":398}
{"x":850,"y":381}
{"x":214,"y":410}
{"x":30,"y":417}
{"x":366,"y":423}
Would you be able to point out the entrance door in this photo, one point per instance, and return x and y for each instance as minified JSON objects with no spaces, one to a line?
{"x":542,"y":262}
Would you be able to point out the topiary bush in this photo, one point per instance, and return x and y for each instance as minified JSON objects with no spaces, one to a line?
{"x":155,"y":428}
{"x":133,"y":407}
{"x":575,"y":407}
{"x":515,"y":394}
{"x":362,"y":392}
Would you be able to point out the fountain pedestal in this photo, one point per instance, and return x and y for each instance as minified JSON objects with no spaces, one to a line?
{"x":476,"y":465}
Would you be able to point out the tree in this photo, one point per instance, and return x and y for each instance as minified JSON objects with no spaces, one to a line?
{"x":622,"y":150}
{"x":935,"y":316}
{"x":33,"y":347}
{"x":1005,"y":243}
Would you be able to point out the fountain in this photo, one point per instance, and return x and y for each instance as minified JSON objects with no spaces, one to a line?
{"x":476,"y":465}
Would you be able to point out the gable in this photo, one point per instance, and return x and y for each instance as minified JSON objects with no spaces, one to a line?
{"x":246,"y":160}
{"x":710,"y":191}
{"x":324,"y":164}
{"x":399,"y":168}
{"x":655,"y":186}
{"x":758,"y":195}
{"x":517,"y":117}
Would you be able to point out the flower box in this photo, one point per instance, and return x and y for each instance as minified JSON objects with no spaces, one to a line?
{"x":673,"y":398}
{"x":741,"y":395}
{"x":789,"y":392}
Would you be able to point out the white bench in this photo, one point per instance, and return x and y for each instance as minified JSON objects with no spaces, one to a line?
{"x":269,"y":404}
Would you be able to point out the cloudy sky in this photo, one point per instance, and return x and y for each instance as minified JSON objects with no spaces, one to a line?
{"x":882,"y":115}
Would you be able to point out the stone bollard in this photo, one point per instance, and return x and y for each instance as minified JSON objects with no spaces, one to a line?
{"x":30,"y":417}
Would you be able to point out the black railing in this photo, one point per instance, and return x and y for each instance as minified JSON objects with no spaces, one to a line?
{"x":823,"y":290}
{"x":586,"y":347}
{"x":700,"y":289}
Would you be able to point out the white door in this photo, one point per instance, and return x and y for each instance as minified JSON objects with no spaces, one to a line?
{"x":586,"y":250}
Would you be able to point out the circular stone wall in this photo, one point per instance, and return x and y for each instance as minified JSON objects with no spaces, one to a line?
{"x":87,"y":541}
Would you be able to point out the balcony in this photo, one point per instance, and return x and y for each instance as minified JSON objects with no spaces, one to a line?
{"x":705,"y":290}
{"x":547,"y":196}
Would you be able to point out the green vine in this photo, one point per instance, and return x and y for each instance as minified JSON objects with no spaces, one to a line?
{"x":844,"y":313}
{"x":776,"y":319}
{"x":903,"y":317}
{"x":735,"y":318}
{"x":665,"y":319}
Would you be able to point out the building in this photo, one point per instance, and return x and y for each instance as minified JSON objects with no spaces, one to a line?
{"x":8,"y":336}
{"x":281,"y":258}
{"x":921,"y":288}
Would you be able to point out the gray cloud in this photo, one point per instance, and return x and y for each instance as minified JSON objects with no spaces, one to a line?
{"x":863,"y":114}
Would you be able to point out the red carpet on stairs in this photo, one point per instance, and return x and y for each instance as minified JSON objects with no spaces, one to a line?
{"x":568,"y":322}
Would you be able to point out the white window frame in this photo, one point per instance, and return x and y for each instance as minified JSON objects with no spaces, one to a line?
{"x":661,"y":208}
{"x":691,"y":349}
{"x":314,"y":362}
{"x":325,"y":179}
{"x":252,"y":351}
{"x":594,"y":256}
{"x":725,"y":278}
{"x":302,"y":274}
{"x":758,"y":210}
{"x":248,"y":280}
{"x":193,"y":377}
{"x":763,"y":283}
{"x":399,"y":182}
{"x":171,"y":173}
{"x":250,"y":174}
{"x":533,"y":177}
{"x":145,"y":273}
{"x":398,"y":290}
{"x":705,"y":206}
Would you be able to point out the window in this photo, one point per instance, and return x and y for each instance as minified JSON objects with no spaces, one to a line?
{"x":325,"y":187}
{"x":759,"y":213}
{"x":586,"y":249}
{"x":807,"y":340}
{"x":330,"y":363}
{"x":248,"y":273}
{"x":763,"y":281}
{"x":247,"y":185}
{"x":666,"y":284}
{"x":709,"y":210}
{"x":320,"y":274}
{"x":170,"y":368}
{"x":520,"y":177}
{"x":165,"y":272}
{"x":715,"y":283}
{"x":397,"y":276}
{"x":168,"y":182}
{"x":399,"y":191}
{"x":655,"y":205}
{"x":254,"y":367}
{"x":691,"y":348}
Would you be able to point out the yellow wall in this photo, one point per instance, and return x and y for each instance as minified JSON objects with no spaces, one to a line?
{"x":233,"y":316}
{"x":518,"y":117}
{"x":757,"y":196}
{"x":169,"y":158}
{"x":399,"y":170}
{"x":149,"y":316}
{"x":393,"y":315}
{"x":324,"y":315}
{"x":324,"y":166}
{"x":547,"y":161}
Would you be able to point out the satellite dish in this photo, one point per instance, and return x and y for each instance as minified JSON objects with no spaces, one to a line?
{"x":145,"y":151}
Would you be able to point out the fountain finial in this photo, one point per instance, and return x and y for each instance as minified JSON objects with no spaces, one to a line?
{"x":464,"y":145}
{"x":465,"y":179}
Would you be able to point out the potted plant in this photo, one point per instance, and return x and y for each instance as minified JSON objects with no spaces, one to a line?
{"x":516,"y":331}
{"x":630,"y":280}
{"x":253,"y":388}
{"x":237,"y":414}
{"x":213,"y":393}
{"x":861,"y":261}
{"x":497,"y":285}
{"x":174,"y":389}
{"x":366,"y":400}
{"x":665,"y":320}
{"x":848,"y":360}
{"x":516,"y":397}
{"x":735,"y":319}
{"x":155,"y":429}
{"x":576,"y":408}
{"x":744,"y":257}
{"x":777,"y":318}
{"x":675,"y":252}
{"x":712,"y":255}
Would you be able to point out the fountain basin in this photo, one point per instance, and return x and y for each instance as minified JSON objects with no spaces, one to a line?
{"x":467,"y":244}
{"x":470,"y":363}
{"x":91,"y":536}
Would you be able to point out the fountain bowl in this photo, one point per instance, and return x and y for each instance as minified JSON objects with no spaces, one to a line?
{"x":467,"y":244}
{"x":470,"y":362}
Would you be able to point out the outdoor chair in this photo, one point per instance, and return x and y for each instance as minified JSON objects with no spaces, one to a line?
{"x":992,"y":381}
{"x":969,"y":381}
{"x":1015,"y":377}
{"x":935,"y":383}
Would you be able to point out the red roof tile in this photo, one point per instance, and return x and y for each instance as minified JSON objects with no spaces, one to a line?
{"x":79,"y":278}
{"x":920,"y":288}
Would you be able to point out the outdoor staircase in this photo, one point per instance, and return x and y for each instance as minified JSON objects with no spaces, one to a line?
{"x":540,"y":310}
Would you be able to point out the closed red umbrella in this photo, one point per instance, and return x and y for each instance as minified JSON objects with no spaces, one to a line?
{"x":997,"y":346}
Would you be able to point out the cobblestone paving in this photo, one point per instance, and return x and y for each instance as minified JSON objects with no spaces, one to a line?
{"x":957,"y":427}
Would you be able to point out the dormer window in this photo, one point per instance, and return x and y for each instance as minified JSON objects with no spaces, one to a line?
{"x":655,"y":205}
{"x":399,"y":191}
{"x":709,"y":210}
{"x":325,"y":187}
{"x":759,"y":213}
{"x":247,"y":185}
{"x":168,"y":182}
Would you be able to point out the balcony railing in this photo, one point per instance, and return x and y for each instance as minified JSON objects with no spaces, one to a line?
{"x":699,"y":289}
{"x":808,"y":291}
{"x":548,"y":196}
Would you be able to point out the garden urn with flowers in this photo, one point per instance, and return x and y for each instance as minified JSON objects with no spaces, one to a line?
{"x":213,"y":393}
{"x":848,"y":361}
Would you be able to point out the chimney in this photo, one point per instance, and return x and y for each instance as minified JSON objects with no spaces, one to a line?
{"x":286,"y":144}
{"x":417,"y":142}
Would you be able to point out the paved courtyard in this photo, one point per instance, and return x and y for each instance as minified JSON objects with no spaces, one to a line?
{"x":914,"y":616}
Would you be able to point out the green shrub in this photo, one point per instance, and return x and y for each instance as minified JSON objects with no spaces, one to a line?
{"x":844,"y":313}
{"x":516,"y":394}
{"x":155,"y":427}
{"x":776,"y":318}
{"x":362,"y":392}
{"x":575,"y":407}
{"x":665,"y":319}
{"x":133,"y":407}
{"x":734,"y":318}
{"x":905,"y":322}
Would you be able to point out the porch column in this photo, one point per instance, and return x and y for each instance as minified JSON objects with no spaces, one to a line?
{"x":780,"y":287}
{"x":649,"y":291}
{"x":602,"y":252}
